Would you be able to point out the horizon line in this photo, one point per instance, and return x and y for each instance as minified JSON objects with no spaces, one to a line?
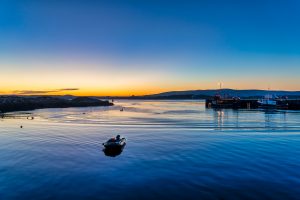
{"x":47,"y":93}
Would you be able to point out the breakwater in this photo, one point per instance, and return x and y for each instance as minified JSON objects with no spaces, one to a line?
{"x":287,"y":104}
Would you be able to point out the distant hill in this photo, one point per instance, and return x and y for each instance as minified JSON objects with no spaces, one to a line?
{"x":224,"y":92}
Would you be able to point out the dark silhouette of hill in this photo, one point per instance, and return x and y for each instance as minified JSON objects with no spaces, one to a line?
{"x":206,"y":94}
{"x":18,"y":103}
{"x":229,"y":92}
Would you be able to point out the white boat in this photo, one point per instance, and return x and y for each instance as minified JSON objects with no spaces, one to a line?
{"x":267,"y":102}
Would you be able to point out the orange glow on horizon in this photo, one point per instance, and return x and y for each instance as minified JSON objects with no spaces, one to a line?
{"x":76,"y":80}
{"x":125,"y":92}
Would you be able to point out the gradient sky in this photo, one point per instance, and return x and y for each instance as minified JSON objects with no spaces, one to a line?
{"x":89,"y":47}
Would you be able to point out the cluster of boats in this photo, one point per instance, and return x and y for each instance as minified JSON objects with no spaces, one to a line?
{"x":267,"y":102}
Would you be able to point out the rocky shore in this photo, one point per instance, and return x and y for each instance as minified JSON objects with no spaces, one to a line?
{"x":17,"y":103}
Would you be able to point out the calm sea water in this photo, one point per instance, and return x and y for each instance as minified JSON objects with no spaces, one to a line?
{"x":175,"y":150}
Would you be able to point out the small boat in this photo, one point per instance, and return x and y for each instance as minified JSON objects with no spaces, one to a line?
{"x":115,"y":143}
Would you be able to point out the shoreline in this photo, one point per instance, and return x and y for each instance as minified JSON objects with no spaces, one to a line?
{"x":16,"y":103}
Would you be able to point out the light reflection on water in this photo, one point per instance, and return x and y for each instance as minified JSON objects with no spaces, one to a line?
{"x":170,"y":114}
{"x":175,"y":150}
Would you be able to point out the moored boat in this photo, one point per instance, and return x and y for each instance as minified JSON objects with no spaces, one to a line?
{"x":267,"y":102}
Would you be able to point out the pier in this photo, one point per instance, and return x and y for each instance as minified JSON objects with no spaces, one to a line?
{"x":286,"y":104}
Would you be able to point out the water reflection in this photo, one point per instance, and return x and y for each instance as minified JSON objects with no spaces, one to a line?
{"x":219,"y":117}
{"x":236,"y":120}
{"x":113,"y":152}
{"x":270,"y":119}
{"x":272,"y":116}
{"x":165,"y":114}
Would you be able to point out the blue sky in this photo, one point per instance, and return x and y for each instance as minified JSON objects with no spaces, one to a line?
{"x":169,"y":45}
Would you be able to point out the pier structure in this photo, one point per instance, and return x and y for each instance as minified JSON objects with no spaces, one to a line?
{"x":236,"y":103}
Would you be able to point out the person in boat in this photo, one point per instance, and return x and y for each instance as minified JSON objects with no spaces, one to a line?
{"x":115,"y":139}
{"x":118,"y":138}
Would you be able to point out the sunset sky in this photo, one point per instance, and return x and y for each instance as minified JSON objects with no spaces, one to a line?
{"x":88,"y":47}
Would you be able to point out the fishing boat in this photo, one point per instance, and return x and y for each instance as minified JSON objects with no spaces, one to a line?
{"x":267,"y":102}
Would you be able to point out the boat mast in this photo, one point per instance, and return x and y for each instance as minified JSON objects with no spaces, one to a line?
{"x":220,"y":87}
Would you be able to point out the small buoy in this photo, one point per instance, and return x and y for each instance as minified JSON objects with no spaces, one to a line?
{"x":121,"y":109}
{"x":32,"y":118}
{"x":21,"y":126}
